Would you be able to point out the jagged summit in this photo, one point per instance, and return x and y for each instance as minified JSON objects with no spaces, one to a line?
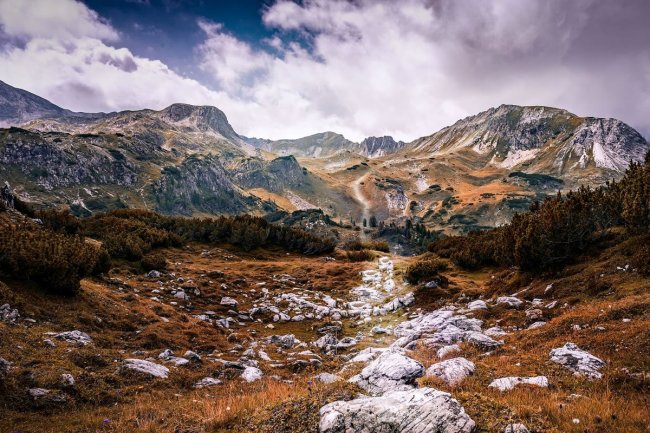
{"x":373,"y":147}
{"x":551,"y":139}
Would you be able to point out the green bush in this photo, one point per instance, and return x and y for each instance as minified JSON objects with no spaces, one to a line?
{"x":54,"y":261}
{"x":425,"y":269}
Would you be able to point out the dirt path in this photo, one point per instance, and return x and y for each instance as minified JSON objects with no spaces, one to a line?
{"x":365,"y":204}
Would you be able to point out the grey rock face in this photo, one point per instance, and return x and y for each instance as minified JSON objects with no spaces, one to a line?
{"x":422,"y":410}
{"x":374,"y":147}
{"x":577,"y":360}
{"x":285,"y":341}
{"x":482,"y":341}
{"x":510,"y":301}
{"x":18,"y":106}
{"x":251,"y":374}
{"x":391,"y":371}
{"x":146,"y":367}
{"x":452,"y":371}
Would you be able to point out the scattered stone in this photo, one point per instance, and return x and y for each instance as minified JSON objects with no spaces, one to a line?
{"x":534,"y":314}
{"x":229,"y":302}
{"x":67,"y":380}
{"x":207,"y":382}
{"x":192,"y":356}
{"x":447,"y":350}
{"x":153,"y":274}
{"x":9,"y":315}
{"x":327,"y":378}
{"x":49,"y":343}
{"x":146,"y":367}
{"x":413,"y":411}
{"x":516,"y":428}
{"x":510,"y":301}
{"x":74,"y":337}
{"x":482,"y":341}
{"x":38,"y":393}
{"x":536,"y":325}
{"x":251,"y":374}
{"x":391,"y":371}
{"x":477,"y":305}
{"x":580,"y":362}
{"x":495,"y":331}
{"x":4,"y":367}
{"x":452,"y":371}
{"x":379,"y":330}
{"x":285,"y":341}
{"x":508,"y":383}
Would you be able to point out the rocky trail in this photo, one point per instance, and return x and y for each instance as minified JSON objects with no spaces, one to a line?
{"x":285,"y":328}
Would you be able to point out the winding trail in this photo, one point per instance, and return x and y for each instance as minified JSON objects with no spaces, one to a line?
{"x":359,"y":197}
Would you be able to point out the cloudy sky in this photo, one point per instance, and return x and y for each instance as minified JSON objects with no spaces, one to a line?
{"x":285,"y":69}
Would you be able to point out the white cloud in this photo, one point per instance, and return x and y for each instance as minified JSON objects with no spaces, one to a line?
{"x":411,"y":67}
{"x":373,"y":67}
{"x":62,"y":19}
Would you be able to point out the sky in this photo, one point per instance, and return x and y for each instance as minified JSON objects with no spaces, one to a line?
{"x":287,"y":69}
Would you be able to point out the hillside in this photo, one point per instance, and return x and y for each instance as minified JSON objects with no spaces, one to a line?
{"x":222,"y":337}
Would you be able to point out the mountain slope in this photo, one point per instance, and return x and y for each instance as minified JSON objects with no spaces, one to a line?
{"x":18,"y":106}
{"x":541,"y":139}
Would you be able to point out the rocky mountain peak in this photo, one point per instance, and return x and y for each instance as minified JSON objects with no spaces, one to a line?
{"x":373,"y":147}
{"x":205,"y":118}
{"x":18,"y":106}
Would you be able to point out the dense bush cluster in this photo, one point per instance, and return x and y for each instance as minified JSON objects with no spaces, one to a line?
{"x":559,"y":228}
{"x":55,"y":261}
{"x":426,"y":268}
{"x":357,"y":245}
{"x":359,"y":256}
{"x":131,"y":234}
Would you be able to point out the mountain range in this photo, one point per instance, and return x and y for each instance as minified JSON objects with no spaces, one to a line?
{"x":188,"y":160}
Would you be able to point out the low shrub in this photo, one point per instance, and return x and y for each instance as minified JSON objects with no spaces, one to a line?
{"x":425,"y":269}
{"x":153,"y":261}
{"x":360,"y":256}
{"x":357,"y":245}
{"x":54,"y":261}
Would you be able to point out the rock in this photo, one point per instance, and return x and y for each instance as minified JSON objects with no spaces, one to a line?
{"x":580,"y":362}
{"x":536,"y":325}
{"x":38,"y":393}
{"x":74,"y":337}
{"x":67,"y":380}
{"x":146,"y":367}
{"x":153,"y":274}
{"x":192,"y":356}
{"x":446,"y":350}
{"x":251,"y":374}
{"x":285,"y":341}
{"x":367,"y":355}
{"x":9,"y":315}
{"x":482,"y":341}
{"x":4,"y":367}
{"x":452,"y":371}
{"x":207,"y":382}
{"x":516,"y":428}
{"x":495,"y":331}
{"x":49,"y":343}
{"x":181,"y":295}
{"x":379,"y":330}
{"x":510,"y":301}
{"x":229,"y":302}
{"x":422,"y":410}
{"x":326,"y":342}
{"x":391,"y":371}
{"x":477,"y":305}
{"x":508,"y":383}
{"x":327,"y":378}
{"x":534,"y":314}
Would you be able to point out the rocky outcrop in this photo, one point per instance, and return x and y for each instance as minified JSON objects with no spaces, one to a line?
{"x":422,"y":410}
{"x":578,"y":361}
{"x":18,"y":106}
{"x":374,"y":147}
